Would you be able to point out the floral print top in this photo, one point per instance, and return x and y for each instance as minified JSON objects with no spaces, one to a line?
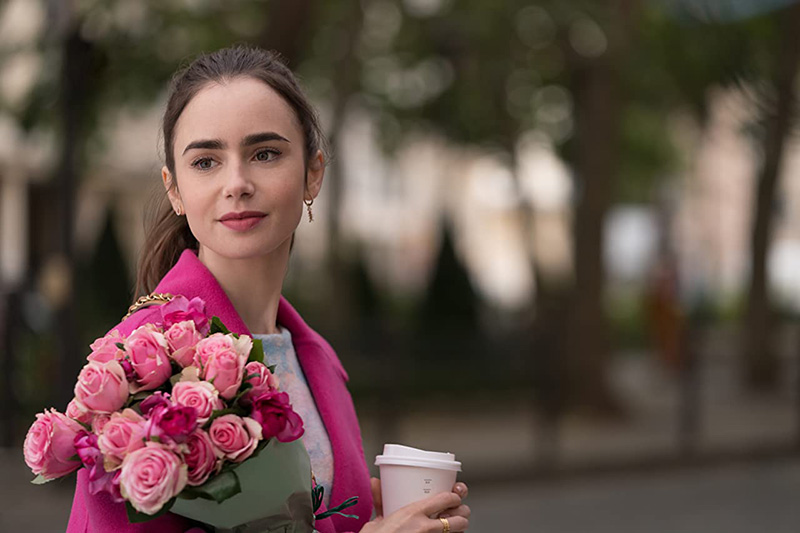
{"x":279,"y":351}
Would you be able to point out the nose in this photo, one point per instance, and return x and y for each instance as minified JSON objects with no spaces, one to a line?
{"x":237,"y":182}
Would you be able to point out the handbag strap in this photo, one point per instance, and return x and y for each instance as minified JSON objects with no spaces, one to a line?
{"x":148,"y":300}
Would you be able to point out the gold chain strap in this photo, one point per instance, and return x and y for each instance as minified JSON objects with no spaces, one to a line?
{"x":150,"y":299}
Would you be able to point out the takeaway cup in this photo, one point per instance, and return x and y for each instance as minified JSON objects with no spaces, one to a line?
{"x":409,"y":475}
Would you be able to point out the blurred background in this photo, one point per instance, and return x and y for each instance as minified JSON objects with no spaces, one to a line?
{"x":561,"y":237}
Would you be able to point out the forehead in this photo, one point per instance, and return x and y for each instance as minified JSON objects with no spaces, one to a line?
{"x":233,"y":109}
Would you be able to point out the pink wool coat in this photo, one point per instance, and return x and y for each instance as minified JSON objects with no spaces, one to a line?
{"x":326,"y":378}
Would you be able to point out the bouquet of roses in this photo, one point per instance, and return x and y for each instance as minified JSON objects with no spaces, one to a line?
{"x":170,"y":410}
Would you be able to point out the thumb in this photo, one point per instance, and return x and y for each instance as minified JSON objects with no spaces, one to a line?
{"x":377,"y":499}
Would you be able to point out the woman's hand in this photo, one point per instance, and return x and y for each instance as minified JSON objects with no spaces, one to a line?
{"x":416,"y":517}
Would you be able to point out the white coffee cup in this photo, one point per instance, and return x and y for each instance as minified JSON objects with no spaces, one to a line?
{"x":409,"y":475}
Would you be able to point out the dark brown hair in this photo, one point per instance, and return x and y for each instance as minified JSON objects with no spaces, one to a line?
{"x":168,"y":235}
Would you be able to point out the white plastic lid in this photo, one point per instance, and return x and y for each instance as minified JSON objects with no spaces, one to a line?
{"x":396,"y":454}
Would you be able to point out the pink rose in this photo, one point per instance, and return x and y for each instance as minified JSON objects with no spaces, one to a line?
{"x":99,"y":422}
{"x":121,"y":435}
{"x":209,"y":346}
{"x":102,"y":387}
{"x":262,"y":380}
{"x":147,"y":351}
{"x":225,"y":370}
{"x":78,"y":412}
{"x":180,"y":309}
{"x":235,"y":437}
{"x":151,"y":476}
{"x":201,"y":457}
{"x":92,"y":458}
{"x":171,"y":424}
{"x":182,"y":338}
{"x":155,"y":401}
{"x":219,"y":342}
{"x":105,"y":348}
{"x":274,"y":412}
{"x":200,"y":395}
{"x":49,"y":447}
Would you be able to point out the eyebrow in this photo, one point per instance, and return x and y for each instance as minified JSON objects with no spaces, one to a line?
{"x":253,"y":138}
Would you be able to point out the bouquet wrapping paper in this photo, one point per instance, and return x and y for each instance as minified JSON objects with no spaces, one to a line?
{"x":283,"y":504}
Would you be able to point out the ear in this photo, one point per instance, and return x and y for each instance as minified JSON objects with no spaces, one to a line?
{"x":172,"y":192}
{"x":314,"y":175}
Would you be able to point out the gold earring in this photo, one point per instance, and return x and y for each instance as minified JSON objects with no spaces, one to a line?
{"x":308,"y":206}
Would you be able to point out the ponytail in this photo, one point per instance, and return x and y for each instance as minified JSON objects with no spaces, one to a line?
{"x":167,"y":235}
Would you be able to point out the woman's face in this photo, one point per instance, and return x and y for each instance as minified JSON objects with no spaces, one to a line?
{"x":240,"y":169}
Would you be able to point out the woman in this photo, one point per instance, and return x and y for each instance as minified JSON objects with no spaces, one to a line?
{"x":244,"y":152}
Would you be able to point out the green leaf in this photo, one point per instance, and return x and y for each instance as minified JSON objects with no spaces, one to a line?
{"x":141,"y":395}
{"x":244,"y":388}
{"x":272,"y":368}
{"x":218,"y":327}
{"x":120,"y":346}
{"x":218,"y":489}
{"x":135,"y":517}
{"x":257,"y":351}
{"x":40,"y":480}
{"x":240,"y":411}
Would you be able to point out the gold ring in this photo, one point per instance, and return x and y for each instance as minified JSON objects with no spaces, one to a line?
{"x":445,"y":525}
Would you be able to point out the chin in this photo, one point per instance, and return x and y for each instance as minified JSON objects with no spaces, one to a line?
{"x":247,"y":251}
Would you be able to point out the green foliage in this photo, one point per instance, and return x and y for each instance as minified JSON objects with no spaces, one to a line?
{"x":218,"y":327}
{"x":451,"y":301}
{"x":135,"y":517}
{"x":257,"y":352}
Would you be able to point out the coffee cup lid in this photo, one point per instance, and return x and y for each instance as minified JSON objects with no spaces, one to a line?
{"x":397,"y":454}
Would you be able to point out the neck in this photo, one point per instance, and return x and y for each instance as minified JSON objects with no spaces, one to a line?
{"x":253,"y":285}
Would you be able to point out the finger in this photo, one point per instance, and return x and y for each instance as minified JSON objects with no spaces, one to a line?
{"x":440,"y":502}
{"x":377,"y":497}
{"x":461,"y":489}
{"x":461,"y":510}
{"x":457,"y":523}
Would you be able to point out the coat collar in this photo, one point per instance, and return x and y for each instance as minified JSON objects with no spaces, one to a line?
{"x":191,"y":278}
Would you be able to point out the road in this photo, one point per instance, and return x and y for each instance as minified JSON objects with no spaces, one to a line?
{"x":756,"y":497}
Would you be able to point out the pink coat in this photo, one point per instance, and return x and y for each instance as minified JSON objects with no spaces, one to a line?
{"x":326,"y":378}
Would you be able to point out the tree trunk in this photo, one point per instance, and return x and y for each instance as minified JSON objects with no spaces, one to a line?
{"x":287,"y":29}
{"x":345,"y":84}
{"x":75,"y":75}
{"x":599,"y":105}
{"x":760,"y":358}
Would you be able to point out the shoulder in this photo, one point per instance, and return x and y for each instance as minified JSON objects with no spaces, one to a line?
{"x":143,"y":316}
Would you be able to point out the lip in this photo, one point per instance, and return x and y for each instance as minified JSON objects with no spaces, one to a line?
{"x":242,"y":221}
{"x":233,"y":215}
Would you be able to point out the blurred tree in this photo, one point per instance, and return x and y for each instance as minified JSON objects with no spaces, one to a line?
{"x":103,"y":281}
{"x":779,"y":103}
{"x":752,"y":46}
{"x":449,"y":311}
